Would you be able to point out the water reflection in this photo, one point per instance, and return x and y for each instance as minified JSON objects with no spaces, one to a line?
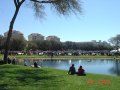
{"x":116,"y":68}
{"x":79,"y":62}
{"x":69,"y":61}
{"x":108,"y":67}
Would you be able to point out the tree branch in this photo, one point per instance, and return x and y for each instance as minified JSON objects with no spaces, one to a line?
{"x":49,"y":1}
{"x":18,"y":1}
{"x":15,"y":3}
{"x":22,"y":2}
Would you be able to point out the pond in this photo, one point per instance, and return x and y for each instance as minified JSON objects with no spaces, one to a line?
{"x":106,"y":67}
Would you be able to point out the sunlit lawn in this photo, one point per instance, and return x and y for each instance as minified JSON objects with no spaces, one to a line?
{"x":60,"y":57}
{"x":14,"y":77}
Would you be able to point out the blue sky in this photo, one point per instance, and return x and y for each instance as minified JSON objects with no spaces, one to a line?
{"x":100,"y":20}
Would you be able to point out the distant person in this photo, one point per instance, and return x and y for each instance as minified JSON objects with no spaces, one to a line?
{"x":13,"y":61}
{"x":72,"y":70}
{"x":25,"y":63}
{"x":81,"y":71}
{"x":9,"y":61}
{"x":35,"y":64}
{"x":51,"y":54}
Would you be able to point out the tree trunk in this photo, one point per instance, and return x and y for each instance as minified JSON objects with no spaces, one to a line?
{"x":10,"y":34}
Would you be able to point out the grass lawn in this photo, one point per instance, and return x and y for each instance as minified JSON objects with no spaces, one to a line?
{"x":15,"y":77}
{"x":60,"y":57}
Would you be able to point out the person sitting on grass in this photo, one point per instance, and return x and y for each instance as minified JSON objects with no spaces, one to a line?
{"x":9,"y":60}
{"x":35,"y":65}
{"x":81,"y":71}
{"x":72,"y":70}
{"x":25,"y":63}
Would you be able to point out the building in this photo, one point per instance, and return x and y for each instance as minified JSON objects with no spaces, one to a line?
{"x":53,"y":38}
{"x":15,"y":34}
{"x":94,"y":41}
{"x":35,"y":36}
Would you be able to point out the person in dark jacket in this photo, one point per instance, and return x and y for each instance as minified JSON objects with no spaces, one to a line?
{"x":81,"y":71}
{"x":9,"y":60}
{"x":13,"y":61}
{"x":35,"y":64}
{"x":72,"y":70}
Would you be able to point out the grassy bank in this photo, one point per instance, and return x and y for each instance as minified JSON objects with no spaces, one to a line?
{"x":14,"y":77}
{"x":61,"y":57}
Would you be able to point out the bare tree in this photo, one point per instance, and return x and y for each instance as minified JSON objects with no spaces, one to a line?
{"x":64,"y":7}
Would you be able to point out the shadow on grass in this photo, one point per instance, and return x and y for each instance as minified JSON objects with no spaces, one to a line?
{"x":5,"y":66}
{"x":11,"y":78}
{"x":3,"y":87}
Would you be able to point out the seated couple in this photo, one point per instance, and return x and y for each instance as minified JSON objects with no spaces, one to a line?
{"x":72,"y":71}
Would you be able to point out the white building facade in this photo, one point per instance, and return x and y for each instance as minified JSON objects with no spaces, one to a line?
{"x":15,"y":34}
{"x":53,"y":38}
{"x":35,"y":36}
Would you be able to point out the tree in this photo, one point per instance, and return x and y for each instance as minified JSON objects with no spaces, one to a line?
{"x":1,"y":42}
{"x":115,"y":41}
{"x":17,"y":44}
{"x":32,"y":45}
{"x":64,"y":7}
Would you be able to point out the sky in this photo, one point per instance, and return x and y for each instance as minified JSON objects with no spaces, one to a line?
{"x":99,"y":20}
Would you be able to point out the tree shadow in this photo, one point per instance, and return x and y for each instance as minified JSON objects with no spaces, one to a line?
{"x":25,"y":77}
{"x":3,"y":87}
{"x":6,"y":66}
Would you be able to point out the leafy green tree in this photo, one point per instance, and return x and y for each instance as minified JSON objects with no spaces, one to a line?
{"x":115,"y":41}
{"x":87,"y":46}
{"x":32,"y":45}
{"x":1,"y":41}
{"x":55,"y":45}
{"x":18,"y":44}
{"x":44,"y":45}
{"x":69,"y":45}
{"x":64,"y":7}
{"x":41,"y":44}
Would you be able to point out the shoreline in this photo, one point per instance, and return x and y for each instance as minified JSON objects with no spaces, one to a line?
{"x":23,"y":57}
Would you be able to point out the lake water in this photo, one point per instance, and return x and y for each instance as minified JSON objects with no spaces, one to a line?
{"x":107,"y":67}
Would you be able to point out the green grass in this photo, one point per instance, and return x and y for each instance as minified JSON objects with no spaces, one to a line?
{"x":60,"y":57}
{"x":15,"y":77}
